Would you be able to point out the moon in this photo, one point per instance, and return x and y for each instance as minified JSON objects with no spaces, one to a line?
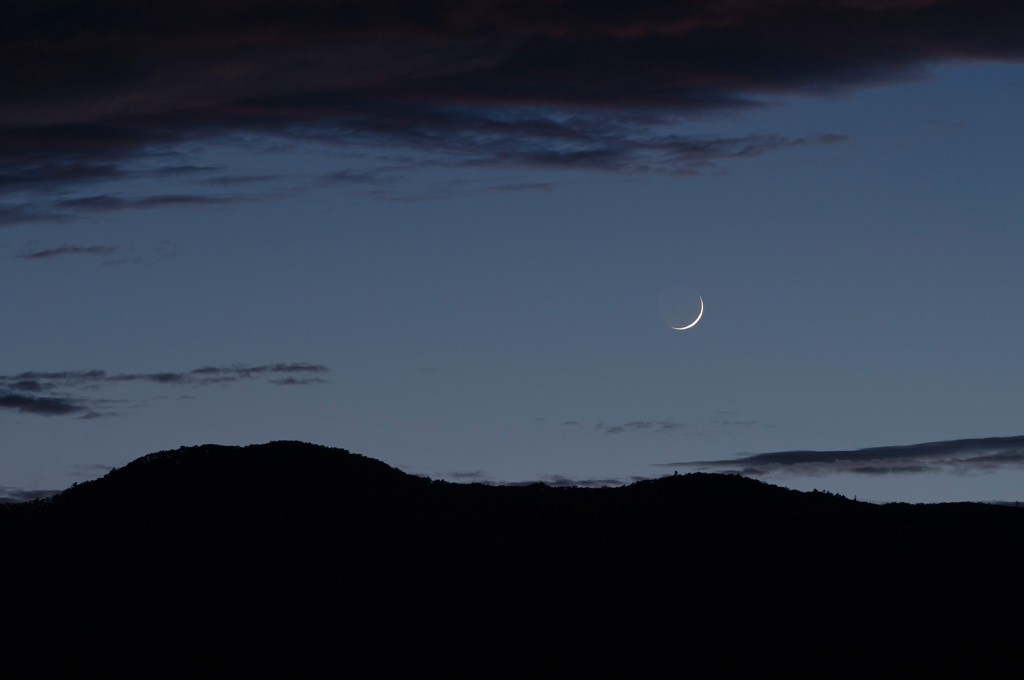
{"x":699,"y":314}
{"x":680,"y":307}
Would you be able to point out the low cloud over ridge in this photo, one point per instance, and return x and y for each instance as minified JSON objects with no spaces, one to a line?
{"x":957,"y":456}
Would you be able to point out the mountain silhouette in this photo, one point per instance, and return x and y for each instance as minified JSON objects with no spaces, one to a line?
{"x":260,"y":551}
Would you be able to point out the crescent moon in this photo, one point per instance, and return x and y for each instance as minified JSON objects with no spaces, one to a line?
{"x":683,"y":328}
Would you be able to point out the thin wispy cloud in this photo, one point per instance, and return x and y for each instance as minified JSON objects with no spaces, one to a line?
{"x":655,"y":427}
{"x":67,"y":249}
{"x":297,"y":381}
{"x":93,"y":470}
{"x":523,"y":186}
{"x":228,"y":181}
{"x":646,"y":426}
{"x":90,"y":98}
{"x":108,"y":203}
{"x":469,"y":476}
{"x":957,"y":456}
{"x":78,"y":393}
{"x":109,"y":255}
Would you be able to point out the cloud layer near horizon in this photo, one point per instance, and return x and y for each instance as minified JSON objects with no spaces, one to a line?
{"x":70,"y":393}
{"x":957,"y":456}
{"x":102,"y":93}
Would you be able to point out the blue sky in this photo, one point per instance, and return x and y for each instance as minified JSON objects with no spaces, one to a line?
{"x":473,"y":295}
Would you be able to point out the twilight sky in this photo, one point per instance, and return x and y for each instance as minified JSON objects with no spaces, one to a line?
{"x":436,"y":233}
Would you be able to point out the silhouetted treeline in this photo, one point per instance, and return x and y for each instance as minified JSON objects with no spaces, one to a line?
{"x":264,"y":550}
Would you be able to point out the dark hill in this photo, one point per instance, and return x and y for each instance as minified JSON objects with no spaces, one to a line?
{"x":281,"y":477}
{"x":288,"y":542}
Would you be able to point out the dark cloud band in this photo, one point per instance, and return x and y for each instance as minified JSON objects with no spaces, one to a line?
{"x":100,"y":93}
{"x":40,"y":406}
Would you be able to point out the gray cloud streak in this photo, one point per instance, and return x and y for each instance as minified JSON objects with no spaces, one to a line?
{"x":72,"y":393}
{"x":957,"y":456}
{"x":67,"y":249}
{"x":696,"y":428}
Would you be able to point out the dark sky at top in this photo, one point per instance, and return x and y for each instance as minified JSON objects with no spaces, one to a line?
{"x":90,"y":87}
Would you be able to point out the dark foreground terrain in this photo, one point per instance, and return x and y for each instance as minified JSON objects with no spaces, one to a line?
{"x":285,"y":554}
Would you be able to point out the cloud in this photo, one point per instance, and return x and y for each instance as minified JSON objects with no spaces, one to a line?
{"x":523,"y":186}
{"x":112,"y":255}
{"x":560,"y":481}
{"x":640,"y":426}
{"x":92,"y":471}
{"x":693,"y":428}
{"x":349,"y":177}
{"x":64,"y":393}
{"x":14,"y":495}
{"x":298,"y":381}
{"x":40,"y":406}
{"x":232,"y":180}
{"x":46,"y":175}
{"x":93,"y":97}
{"x":480,"y":477}
{"x":26,"y":213}
{"x":959,"y":456}
{"x":109,"y":203}
{"x":67,"y":249}
{"x":162,"y":251}
{"x":45,"y":209}
{"x":469,"y":475}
